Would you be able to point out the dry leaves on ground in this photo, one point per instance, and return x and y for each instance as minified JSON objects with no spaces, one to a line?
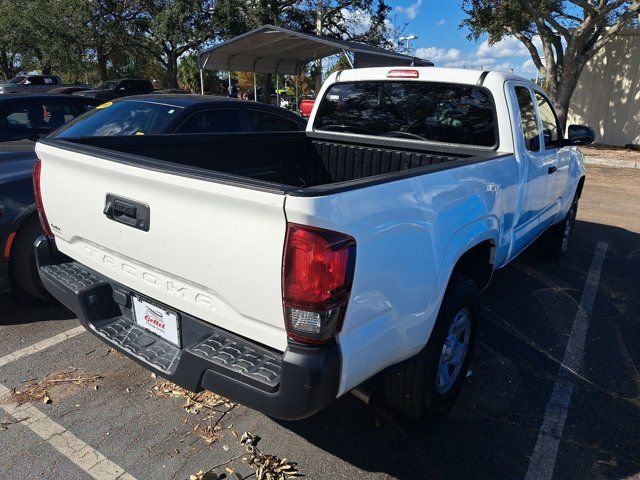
{"x":267,"y":467}
{"x":212,"y":406}
{"x":42,"y":390}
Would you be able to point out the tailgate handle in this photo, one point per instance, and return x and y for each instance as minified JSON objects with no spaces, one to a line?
{"x":128,"y":212}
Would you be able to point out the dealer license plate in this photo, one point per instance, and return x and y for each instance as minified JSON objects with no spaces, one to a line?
{"x":157,"y":320}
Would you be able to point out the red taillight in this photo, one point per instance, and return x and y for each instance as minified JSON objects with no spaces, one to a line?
{"x":37,"y":167}
{"x":316,"y":281}
{"x":403,"y":73}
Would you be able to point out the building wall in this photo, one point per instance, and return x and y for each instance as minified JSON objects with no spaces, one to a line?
{"x":607,"y":97}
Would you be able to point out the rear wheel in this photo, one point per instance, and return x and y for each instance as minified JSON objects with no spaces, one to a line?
{"x":24,"y":270}
{"x":428,"y":384}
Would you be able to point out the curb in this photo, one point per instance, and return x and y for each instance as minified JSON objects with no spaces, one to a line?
{"x":611,"y":162}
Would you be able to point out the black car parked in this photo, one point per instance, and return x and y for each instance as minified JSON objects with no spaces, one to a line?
{"x":181,"y":114}
{"x":142,"y":115}
{"x":112,"y":89}
{"x":22,"y":119}
{"x":27,"y":116}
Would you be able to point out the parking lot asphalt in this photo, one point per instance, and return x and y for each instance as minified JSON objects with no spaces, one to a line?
{"x":113,"y":426}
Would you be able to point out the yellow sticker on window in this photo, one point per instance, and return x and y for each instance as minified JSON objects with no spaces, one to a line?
{"x":104,"y":105}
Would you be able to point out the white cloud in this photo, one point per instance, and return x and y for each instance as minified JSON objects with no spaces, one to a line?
{"x":411,"y":11}
{"x":440,"y":23}
{"x":439,"y":54}
{"x":506,"y":55}
{"x":507,"y":47}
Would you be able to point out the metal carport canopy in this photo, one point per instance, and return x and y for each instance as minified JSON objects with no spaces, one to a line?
{"x":270,"y":49}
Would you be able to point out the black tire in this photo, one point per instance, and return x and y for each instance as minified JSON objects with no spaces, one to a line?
{"x":24,"y":271}
{"x":411,"y":387}
{"x":556,"y":238}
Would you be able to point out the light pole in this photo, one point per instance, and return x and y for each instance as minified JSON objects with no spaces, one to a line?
{"x":408,"y":39}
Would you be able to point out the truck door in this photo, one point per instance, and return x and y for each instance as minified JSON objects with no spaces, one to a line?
{"x":533,"y":165}
{"x":557,"y":160}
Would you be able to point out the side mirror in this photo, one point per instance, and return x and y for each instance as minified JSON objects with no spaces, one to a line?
{"x":534,"y":144}
{"x":580,"y":135}
{"x":122,"y":89}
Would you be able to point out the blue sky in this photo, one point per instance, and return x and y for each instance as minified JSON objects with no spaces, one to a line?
{"x":436,"y":23}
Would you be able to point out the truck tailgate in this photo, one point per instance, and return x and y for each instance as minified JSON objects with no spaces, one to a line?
{"x":211,"y":250}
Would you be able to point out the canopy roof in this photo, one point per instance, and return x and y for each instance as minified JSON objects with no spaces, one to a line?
{"x":270,"y":49}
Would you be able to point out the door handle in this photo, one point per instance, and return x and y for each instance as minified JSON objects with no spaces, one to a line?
{"x":553,"y":169}
{"x":128,"y":212}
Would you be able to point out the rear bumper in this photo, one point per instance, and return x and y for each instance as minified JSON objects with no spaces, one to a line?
{"x":290,"y":385}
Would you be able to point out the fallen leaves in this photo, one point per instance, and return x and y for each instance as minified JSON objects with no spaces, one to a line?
{"x":39,"y":390}
{"x":213,"y":406}
{"x":268,"y":467}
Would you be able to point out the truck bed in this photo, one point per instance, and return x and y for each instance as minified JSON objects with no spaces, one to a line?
{"x":291,"y":162}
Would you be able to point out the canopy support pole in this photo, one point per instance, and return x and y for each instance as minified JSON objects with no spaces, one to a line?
{"x":346,"y":54}
{"x":201,"y":68}
{"x":255,"y":88}
{"x":297,"y":105}
{"x":277,"y":91}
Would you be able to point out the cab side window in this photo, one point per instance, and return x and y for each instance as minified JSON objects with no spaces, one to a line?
{"x":268,"y":122}
{"x":528,"y":119}
{"x":550,"y":125}
{"x":219,"y":120}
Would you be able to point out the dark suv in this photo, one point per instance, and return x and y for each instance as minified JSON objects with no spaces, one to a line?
{"x":112,"y":89}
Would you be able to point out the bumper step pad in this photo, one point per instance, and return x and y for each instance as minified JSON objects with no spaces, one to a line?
{"x":222,"y":351}
{"x":142,"y":344}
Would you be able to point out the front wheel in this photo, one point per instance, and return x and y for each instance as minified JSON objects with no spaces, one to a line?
{"x":557,"y":237}
{"x":428,"y":384}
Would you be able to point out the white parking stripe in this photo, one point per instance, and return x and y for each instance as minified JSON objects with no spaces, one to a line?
{"x":37,"y":347}
{"x":84,"y":456}
{"x":65,"y":442}
{"x":543,"y":459}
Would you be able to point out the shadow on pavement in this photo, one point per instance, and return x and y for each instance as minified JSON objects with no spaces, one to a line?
{"x":528,"y":313}
{"x":18,"y":308}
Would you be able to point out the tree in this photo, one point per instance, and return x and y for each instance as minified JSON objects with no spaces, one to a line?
{"x":365,"y":21}
{"x":171,"y":28}
{"x":571,"y":33}
{"x":189,"y":75}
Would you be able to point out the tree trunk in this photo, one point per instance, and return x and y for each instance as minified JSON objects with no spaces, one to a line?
{"x":560,"y":90}
{"x":102,"y":65}
{"x":266,"y":88}
{"x":6,"y":63}
{"x":172,"y":70}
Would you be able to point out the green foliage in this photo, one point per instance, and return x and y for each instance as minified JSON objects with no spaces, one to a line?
{"x":94,"y":40}
{"x":571,"y":33}
{"x":189,"y":76}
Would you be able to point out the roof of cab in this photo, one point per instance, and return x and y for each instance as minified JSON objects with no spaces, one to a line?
{"x":455,"y":75}
{"x":180,"y":100}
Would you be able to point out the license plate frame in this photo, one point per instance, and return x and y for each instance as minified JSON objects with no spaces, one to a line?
{"x":157,"y":319}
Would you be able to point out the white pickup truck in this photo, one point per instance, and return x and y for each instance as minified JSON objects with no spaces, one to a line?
{"x":284,"y":269}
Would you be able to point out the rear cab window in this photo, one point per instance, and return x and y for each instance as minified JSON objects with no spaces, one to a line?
{"x":125,"y":118}
{"x":428,"y":111}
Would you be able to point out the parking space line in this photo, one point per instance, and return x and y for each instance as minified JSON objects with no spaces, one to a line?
{"x":84,"y":456}
{"x":543,"y":459}
{"x":37,"y":347}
